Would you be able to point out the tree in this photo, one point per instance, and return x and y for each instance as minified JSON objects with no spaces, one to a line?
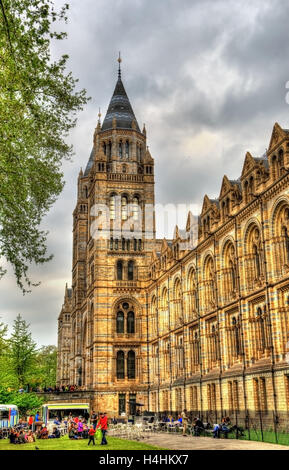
{"x":22,"y":352}
{"x":45,"y":374}
{"x":39,"y":101}
{"x":26,"y":402}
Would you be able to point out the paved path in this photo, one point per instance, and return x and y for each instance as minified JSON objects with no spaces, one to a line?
{"x":170,"y":441}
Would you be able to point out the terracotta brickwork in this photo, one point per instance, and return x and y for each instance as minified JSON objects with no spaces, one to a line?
{"x":197,"y":322}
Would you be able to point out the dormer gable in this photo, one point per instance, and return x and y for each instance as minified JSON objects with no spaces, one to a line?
{"x":277,"y":137}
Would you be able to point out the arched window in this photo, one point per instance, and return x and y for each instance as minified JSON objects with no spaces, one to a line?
{"x":120,"y":154}
{"x":120,"y":365}
{"x":131,"y":365}
{"x":246,"y":192}
{"x":177,"y":300}
{"x":124,"y":208}
{"x":109,"y":149}
{"x":192,"y":292}
{"x":254,"y":258}
{"x":119,"y":269}
{"x":123,"y":244}
{"x":130,"y":270}
{"x":274,"y":167}
{"x":120,"y":322}
{"x":128,"y":245}
{"x":209,"y":284}
{"x":262,"y":336}
{"x":112,"y":207}
{"x":135,"y":244}
{"x":135,"y":208}
{"x":236,"y":337}
{"x":130,"y":322}
{"x":127,"y":149}
{"x":104,"y":148}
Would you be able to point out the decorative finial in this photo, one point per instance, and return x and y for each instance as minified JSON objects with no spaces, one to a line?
{"x":99,"y":114}
{"x":119,"y":62}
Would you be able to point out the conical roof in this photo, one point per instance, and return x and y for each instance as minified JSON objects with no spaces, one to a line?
{"x":120,"y":109}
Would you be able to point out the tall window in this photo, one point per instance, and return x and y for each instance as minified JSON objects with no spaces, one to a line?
{"x":262,"y":331}
{"x":112,"y":207}
{"x":120,"y":365}
{"x":119,"y":268}
{"x":124,"y":208}
{"x":121,"y":403}
{"x":130,"y":322}
{"x":120,"y":322}
{"x":236,"y":344}
{"x":120,"y":154}
{"x":127,"y":149}
{"x":177,"y":301}
{"x":135,"y":208}
{"x":209,"y":284}
{"x":131,"y":365}
{"x":130,"y":270}
{"x":192,"y":288}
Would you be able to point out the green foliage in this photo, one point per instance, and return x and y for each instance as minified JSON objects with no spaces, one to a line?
{"x":45,"y":372}
{"x":21,"y":363}
{"x":28,"y":403}
{"x":39,"y":101}
{"x":22,"y":352}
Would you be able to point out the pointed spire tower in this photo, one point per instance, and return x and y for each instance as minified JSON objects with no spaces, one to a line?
{"x":120,"y":108}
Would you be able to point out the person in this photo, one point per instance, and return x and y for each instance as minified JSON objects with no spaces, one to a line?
{"x":184,"y":422}
{"x":44,"y":433}
{"x":21,"y":438}
{"x":30,"y":422}
{"x":37,"y":417}
{"x":198,"y":426}
{"x":216,"y":430}
{"x":91,"y":434}
{"x":80,"y":429}
{"x":30,"y":437}
{"x":94,"y":419}
{"x":13,"y":436}
{"x":103,"y":426}
{"x":114,"y":420}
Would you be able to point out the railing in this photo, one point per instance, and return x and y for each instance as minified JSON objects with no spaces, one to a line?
{"x":125,"y":177}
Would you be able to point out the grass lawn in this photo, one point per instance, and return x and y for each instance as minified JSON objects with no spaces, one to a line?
{"x":65,"y":444}
{"x":268,"y":436}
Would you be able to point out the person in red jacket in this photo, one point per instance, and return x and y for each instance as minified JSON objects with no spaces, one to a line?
{"x":103,"y":426}
{"x":30,"y":422}
{"x":91,"y":433}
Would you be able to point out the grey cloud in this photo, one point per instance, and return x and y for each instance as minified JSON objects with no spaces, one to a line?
{"x":191,"y":68}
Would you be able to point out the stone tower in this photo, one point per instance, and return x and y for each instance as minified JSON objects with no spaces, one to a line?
{"x":113,"y":238}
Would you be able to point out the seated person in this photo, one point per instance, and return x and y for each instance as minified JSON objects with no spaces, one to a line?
{"x":216,"y":430}
{"x":13,"y":436}
{"x":72,"y":433}
{"x":44,"y":433}
{"x":21,"y":438}
{"x":55,"y":434}
{"x":57,"y":421}
{"x":30,"y":437}
{"x":198,"y":426}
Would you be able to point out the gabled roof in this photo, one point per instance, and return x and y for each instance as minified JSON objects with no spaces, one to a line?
{"x":120,"y":109}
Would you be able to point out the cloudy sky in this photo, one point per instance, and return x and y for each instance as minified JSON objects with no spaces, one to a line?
{"x":207,"y":77}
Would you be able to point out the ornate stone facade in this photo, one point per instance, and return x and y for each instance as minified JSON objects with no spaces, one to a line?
{"x":169,"y":324}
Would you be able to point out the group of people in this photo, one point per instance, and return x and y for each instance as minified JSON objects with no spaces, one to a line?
{"x":19,"y":436}
{"x":78,"y":427}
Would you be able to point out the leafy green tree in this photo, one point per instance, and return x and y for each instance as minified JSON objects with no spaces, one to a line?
{"x":39,"y":101}
{"x":45,"y":373}
{"x":26,"y":402}
{"x":22,"y":353}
